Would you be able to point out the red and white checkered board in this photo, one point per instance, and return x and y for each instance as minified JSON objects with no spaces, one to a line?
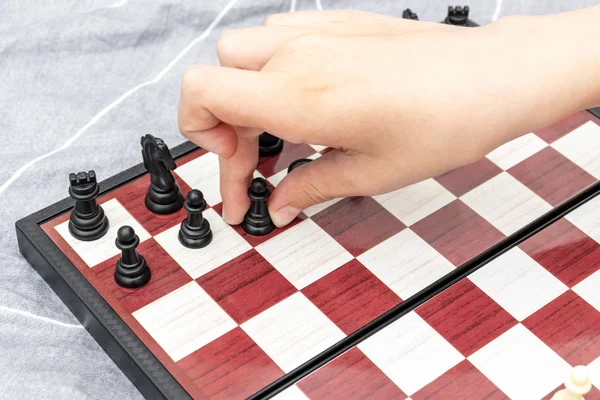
{"x":228,"y":319}
{"x":512,"y":329}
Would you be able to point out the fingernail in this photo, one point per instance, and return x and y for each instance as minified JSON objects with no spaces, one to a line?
{"x":223,"y":215}
{"x":284,"y":216}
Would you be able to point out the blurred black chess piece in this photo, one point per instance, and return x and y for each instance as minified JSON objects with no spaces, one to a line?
{"x":269,"y":145}
{"x":87,"y":221}
{"x":164,"y":196}
{"x":459,"y":16}
{"x":409,"y":14}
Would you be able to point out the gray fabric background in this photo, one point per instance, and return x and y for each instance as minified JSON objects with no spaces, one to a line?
{"x":62,"y":63}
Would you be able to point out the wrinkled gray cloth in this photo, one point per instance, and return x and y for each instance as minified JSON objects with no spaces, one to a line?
{"x":70,"y":100}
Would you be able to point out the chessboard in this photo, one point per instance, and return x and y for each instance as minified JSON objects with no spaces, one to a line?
{"x":510,"y":330}
{"x":433,"y":273}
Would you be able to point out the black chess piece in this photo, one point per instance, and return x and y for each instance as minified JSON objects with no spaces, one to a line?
{"x":132,"y":270}
{"x":297,"y":163}
{"x":458,"y":16}
{"x":195,"y":231}
{"x":164,"y":196}
{"x":88,"y":221}
{"x":257,"y":221}
{"x":409,"y":14}
{"x":269,"y":145}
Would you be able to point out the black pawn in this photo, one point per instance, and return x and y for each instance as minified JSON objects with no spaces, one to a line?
{"x":132,"y":270}
{"x":269,"y":145}
{"x":88,"y":221}
{"x":257,"y":221}
{"x":195,"y":231}
{"x":297,"y":163}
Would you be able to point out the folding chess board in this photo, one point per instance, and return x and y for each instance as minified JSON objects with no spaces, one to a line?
{"x":251,"y":316}
{"x":510,"y":330}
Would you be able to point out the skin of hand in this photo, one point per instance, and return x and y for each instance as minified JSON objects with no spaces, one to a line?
{"x":399,"y":100}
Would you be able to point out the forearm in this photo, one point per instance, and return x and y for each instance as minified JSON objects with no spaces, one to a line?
{"x":550,"y":64}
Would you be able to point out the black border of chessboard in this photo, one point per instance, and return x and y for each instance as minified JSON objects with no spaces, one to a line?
{"x":138,"y":363}
{"x":595,"y":111}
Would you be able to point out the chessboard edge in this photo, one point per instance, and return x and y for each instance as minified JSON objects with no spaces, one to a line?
{"x":127,"y":351}
{"x":595,"y":111}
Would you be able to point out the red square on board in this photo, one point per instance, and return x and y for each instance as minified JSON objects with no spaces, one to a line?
{"x":565,"y":251}
{"x":593,"y":394}
{"x":132,"y":197}
{"x":570,"y":326}
{"x":457,"y":232}
{"x":466,"y":317}
{"x":559,"y":129}
{"x":551,"y":176}
{"x":351,"y":296}
{"x":463,"y":381}
{"x":246,"y":286}
{"x":269,"y":166}
{"x":468,"y":177}
{"x":350,"y":376}
{"x":358,"y":223}
{"x":166,"y":277}
{"x":232,"y":366}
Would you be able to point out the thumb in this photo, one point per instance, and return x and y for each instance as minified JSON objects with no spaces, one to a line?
{"x":334,"y":175}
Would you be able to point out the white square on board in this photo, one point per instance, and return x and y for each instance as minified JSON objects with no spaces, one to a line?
{"x":506,"y":203}
{"x":225,"y":246}
{"x":518,"y":283}
{"x":292,"y":331}
{"x":317,"y":208}
{"x":582,"y":146}
{"x":520,"y":364}
{"x":594,"y":368}
{"x":411,"y":353}
{"x":96,"y":251}
{"x":589,"y":289}
{"x":291,"y":393}
{"x":405,"y":263}
{"x":203,"y":173}
{"x":184,"y":320}
{"x":587,"y":218}
{"x":510,"y":154}
{"x":304,"y":253}
{"x":413,"y":203}
{"x":318,"y":147}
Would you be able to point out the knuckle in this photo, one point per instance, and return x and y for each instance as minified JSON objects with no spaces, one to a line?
{"x":226,"y":46}
{"x":274,"y":19}
{"x":313,"y":193}
{"x":191,"y":78}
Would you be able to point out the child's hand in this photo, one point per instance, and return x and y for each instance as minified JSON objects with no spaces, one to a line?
{"x":400,"y":100}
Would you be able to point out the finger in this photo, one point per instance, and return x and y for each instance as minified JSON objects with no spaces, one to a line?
{"x":221,"y":139}
{"x":264,"y":100}
{"x":336,"y":174}
{"x":251,"y":48}
{"x":235,"y":177}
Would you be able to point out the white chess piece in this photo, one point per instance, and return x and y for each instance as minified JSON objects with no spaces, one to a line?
{"x":577,"y":383}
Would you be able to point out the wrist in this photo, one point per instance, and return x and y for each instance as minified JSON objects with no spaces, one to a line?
{"x":552,"y":65}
